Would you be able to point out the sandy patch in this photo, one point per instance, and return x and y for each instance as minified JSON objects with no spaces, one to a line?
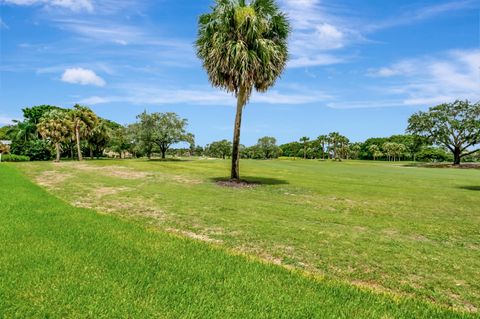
{"x":51,"y":179}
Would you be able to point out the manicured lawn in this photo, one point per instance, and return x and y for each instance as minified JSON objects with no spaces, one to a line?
{"x":405,"y":231}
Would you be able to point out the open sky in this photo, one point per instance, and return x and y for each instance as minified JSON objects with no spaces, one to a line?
{"x":357,"y":67}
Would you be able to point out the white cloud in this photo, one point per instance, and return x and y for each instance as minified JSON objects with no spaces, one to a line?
{"x":432,"y":80}
{"x":147,"y":94}
{"x":74,"y":5}
{"x":314,"y":32}
{"x":82,"y":76}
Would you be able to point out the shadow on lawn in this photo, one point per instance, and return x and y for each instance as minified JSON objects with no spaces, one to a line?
{"x":471,"y":188}
{"x":253,"y":180}
{"x":168,"y":160}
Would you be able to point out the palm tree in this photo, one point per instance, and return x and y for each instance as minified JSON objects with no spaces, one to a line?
{"x":374,"y":149}
{"x":99,"y":137}
{"x":304,"y":140}
{"x":83,"y":122}
{"x":322,"y":140}
{"x":334,"y":139}
{"x":54,"y":126}
{"x":243,"y":47}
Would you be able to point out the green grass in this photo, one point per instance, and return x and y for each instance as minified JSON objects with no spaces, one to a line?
{"x":406,"y":231}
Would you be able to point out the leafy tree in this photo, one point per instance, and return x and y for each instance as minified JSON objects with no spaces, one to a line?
{"x":83,"y":122}
{"x":433,"y":154}
{"x":304,"y":140}
{"x":219,"y":149}
{"x":55,"y":127}
{"x":268,"y":147}
{"x":120,"y":141}
{"x":291,"y":149}
{"x":243,"y":47}
{"x":455,"y":126}
{"x":34,"y":114}
{"x":144,"y":132}
{"x":162,"y":130}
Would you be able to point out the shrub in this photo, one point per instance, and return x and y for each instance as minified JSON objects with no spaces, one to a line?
{"x":15,"y":158}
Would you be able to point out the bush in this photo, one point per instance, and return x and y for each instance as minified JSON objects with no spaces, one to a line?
{"x":434,"y":154}
{"x":15,"y":158}
{"x":36,"y":150}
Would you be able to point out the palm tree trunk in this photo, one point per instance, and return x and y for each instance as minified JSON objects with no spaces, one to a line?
{"x":57,"y":148}
{"x":235,"y":173}
{"x":77,"y":137}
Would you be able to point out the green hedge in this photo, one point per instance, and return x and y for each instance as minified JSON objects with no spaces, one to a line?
{"x":15,"y":158}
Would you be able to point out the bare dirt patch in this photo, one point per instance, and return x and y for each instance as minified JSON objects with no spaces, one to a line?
{"x":193,"y":235}
{"x":111,"y":171}
{"x":51,"y":179}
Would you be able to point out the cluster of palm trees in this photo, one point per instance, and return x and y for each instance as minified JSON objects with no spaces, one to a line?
{"x":332,"y":146}
{"x":393,"y":151}
{"x":60,"y":126}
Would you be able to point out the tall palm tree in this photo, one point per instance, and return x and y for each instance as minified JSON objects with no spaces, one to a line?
{"x":304,"y":140}
{"x":83,"y":122}
{"x":54,"y":126}
{"x":322,"y":140}
{"x":243,"y":47}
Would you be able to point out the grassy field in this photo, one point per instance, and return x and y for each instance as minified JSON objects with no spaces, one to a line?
{"x":386,"y":228}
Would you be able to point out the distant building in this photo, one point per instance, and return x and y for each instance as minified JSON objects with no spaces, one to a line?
{"x":5,"y":146}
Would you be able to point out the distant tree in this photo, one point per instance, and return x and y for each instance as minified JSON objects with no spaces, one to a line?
{"x":336,"y":141}
{"x":120,"y":141}
{"x":169,"y":129}
{"x":268,"y":146}
{"x":322,"y":140}
{"x":100,"y":137}
{"x":455,"y":126}
{"x":354,"y":150}
{"x":243,"y":47}
{"x":143,"y":132}
{"x":291,"y":149}
{"x":55,"y":127}
{"x":394,"y":151}
{"x":304,"y":140}
{"x":433,"y":154}
{"x":83,"y":122}
{"x":219,"y":149}
{"x":374,"y":150}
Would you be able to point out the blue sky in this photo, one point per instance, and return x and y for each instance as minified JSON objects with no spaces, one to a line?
{"x":357,"y":67}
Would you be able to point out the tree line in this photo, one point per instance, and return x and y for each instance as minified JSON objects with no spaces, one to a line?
{"x":447,"y":132}
{"x":48,"y":132}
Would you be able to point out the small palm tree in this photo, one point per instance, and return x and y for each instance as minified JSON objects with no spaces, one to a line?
{"x":304,"y":140}
{"x":243,"y":47}
{"x":54,"y":126}
{"x":83,"y":122}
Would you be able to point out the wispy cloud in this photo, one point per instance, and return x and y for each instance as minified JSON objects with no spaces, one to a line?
{"x":412,"y":16}
{"x":73,"y":5}
{"x":3,"y":25}
{"x":428,"y":80}
{"x":82,"y":76}
{"x":148,"y":94}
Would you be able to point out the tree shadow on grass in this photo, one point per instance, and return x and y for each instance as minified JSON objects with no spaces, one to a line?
{"x":168,"y":160}
{"x":471,"y":188}
{"x":252,"y":180}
